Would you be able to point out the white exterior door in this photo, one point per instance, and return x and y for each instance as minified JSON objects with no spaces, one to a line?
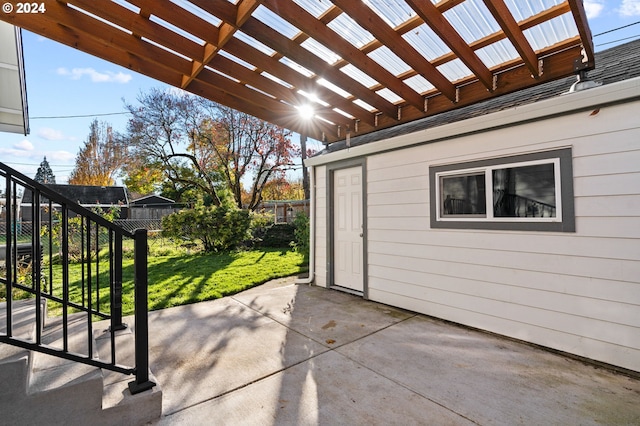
{"x":348,"y":230}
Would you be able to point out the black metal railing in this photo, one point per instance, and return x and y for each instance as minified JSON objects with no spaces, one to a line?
{"x":71,"y":262}
{"x":512,"y":205}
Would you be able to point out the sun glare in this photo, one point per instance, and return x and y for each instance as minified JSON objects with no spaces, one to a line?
{"x":306,"y":111}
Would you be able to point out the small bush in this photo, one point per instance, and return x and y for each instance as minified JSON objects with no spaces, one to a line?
{"x":260,"y":224}
{"x":302,"y":235}
{"x":217,"y":228}
{"x":279,"y":235}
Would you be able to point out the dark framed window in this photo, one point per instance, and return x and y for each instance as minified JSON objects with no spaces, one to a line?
{"x":523,"y":192}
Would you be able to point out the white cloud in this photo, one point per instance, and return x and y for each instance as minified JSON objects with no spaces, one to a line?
{"x":60,"y":156}
{"x":593,"y":8}
{"x":95,"y":76}
{"x":22,"y":149}
{"x":630,"y":8}
{"x":23,"y":145}
{"x":51,"y":134}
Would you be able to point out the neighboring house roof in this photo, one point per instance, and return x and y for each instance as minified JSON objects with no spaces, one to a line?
{"x":151,"y":200}
{"x":616,"y":64}
{"x":87,"y":195}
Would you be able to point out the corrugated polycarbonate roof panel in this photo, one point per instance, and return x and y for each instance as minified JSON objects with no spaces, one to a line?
{"x":195,"y":10}
{"x":348,"y":29}
{"x":455,"y":70}
{"x":323,"y":52}
{"x":393,"y":12}
{"x":419,"y":84}
{"x":389,"y":60}
{"x":297,"y":67}
{"x":277,"y":80}
{"x":368,"y":64}
{"x":333,"y":87}
{"x":237,"y":60}
{"x":275,"y":22}
{"x":315,"y":7}
{"x":425,"y":41}
{"x":254,"y":43}
{"x":522,"y":10}
{"x":473,"y":20}
{"x":359,"y":75}
{"x":497,"y":53}
{"x":551,"y":32}
{"x":389,"y":95}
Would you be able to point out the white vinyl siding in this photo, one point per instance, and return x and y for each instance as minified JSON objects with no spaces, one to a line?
{"x":577,"y":292}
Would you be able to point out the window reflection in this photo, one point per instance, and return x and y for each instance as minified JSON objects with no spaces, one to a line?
{"x":527,"y":191}
{"x":464,"y":195}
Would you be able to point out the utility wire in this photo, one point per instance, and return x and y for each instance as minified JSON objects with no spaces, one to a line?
{"x":615,"y":41}
{"x":79,"y":116}
{"x":37,"y":164}
{"x":616,"y":29}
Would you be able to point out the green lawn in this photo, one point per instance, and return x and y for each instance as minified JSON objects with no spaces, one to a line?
{"x":182,"y":279}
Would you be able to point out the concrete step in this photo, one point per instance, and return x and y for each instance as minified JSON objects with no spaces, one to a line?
{"x":117,"y":401}
{"x":14,"y":373}
{"x":15,"y":362}
{"x":23,"y":313}
{"x":60,"y":392}
{"x":37,"y":388}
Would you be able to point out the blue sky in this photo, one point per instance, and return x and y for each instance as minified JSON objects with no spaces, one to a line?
{"x":64,"y":82}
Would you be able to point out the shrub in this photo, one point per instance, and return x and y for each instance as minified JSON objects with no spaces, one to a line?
{"x":302,"y":235}
{"x":278,"y":235}
{"x":77,"y":229}
{"x":217,"y":228}
{"x":260,"y":224}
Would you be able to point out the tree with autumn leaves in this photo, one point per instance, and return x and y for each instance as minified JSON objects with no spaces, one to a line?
{"x":189,"y":145}
{"x":248,"y":152}
{"x":100,"y":158}
{"x":189,"y":149}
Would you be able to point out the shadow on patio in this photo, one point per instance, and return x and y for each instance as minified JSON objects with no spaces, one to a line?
{"x":283,"y":353}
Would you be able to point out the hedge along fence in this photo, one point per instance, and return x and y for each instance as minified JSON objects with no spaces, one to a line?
{"x":262,"y":231}
{"x":279,"y":235}
{"x":216,"y":228}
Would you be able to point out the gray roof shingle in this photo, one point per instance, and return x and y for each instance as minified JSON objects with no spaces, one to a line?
{"x":87,"y":194}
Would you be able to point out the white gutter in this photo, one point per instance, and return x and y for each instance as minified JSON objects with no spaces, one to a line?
{"x":312,"y":230}
{"x":14,"y":114}
{"x":621,"y":91}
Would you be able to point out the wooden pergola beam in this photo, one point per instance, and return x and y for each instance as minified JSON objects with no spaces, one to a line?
{"x":441,"y":26}
{"x":325,"y":35}
{"x":360,"y":13}
{"x":201,"y":52}
{"x":277,"y":69}
{"x":295,"y":52}
{"x":512,"y":30}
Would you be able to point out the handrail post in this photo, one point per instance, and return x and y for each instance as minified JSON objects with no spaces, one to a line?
{"x":142,"y":382}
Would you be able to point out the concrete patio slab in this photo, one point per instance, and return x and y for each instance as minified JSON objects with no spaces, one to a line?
{"x":493,"y":380}
{"x":282,"y":354}
{"x":328,"y":317}
{"x":207,"y":349}
{"x":329,"y":389}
